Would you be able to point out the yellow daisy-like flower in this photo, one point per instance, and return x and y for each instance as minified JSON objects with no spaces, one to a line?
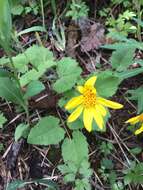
{"x":92,"y":106}
{"x":137,"y":119}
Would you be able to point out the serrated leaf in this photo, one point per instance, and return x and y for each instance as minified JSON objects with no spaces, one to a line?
{"x":68,"y":73}
{"x":41,"y":59}
{"x":76,"y":149}
{"x":46,"y":132}
{"x":20,"y":62}
{"x":82,"y":184}
{"x":122,"y":58}
{"x":22,"y":130}
{"x":38,"y":55}
{"x":107,"y":83}
{"x":34,"y":88}
{"x":69,"y":177}
{"x":134,"y":174}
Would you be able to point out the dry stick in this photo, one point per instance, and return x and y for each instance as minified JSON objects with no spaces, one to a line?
{"x":14,"y":119}
{"x":63,"y":124}
{"x":130,"y":103}
{"x":45,"y":156}
{"x":92,"y":63}
{"x":120,"y":161}
{"x":98,"y":178}
{"x":20,"y":170}
{"x":116,"y":136}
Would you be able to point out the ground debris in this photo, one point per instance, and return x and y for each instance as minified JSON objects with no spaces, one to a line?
{"x":92,"y":35}
{"x":13,"y":155}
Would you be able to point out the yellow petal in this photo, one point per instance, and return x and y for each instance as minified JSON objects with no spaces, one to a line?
{"x":98,"y":118}
{"x":91,"y":81}
{"x":87,"y":119}
{"x":109,"y":103}
{"x":101,"y":109}
{"x":140,"y":130}
{"x":75,"y":114}
{"x":74,"y":102}
{"x":80,"y":89}
{"x":133,"y":120}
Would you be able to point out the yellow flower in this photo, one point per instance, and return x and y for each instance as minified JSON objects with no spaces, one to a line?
{"x":137,"y":119}
{"x":92,"y":106}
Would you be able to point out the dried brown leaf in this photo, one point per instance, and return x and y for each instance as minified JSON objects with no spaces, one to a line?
{"x":92,"y":39}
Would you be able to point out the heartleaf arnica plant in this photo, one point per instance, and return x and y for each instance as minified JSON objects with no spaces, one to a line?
{"x":90,"y":104}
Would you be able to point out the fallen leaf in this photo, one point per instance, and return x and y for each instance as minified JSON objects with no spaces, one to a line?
{"x":93,"y":37}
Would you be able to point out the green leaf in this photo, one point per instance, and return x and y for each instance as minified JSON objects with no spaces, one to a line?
{"x":134,"y":174}
{"x":5,"y":24}
{"x":129,"y":73}
{"x":2,"y":120}
{"x":15,"y":185}
{"x":122,"y":58}
{"x":82,"y":184}
{"x":1,"y":147}
{"x":11,"y":92}
{"x":41,"y":59}
{"x":39,"y":55}
{"x":18,"y":184}
{"x":76,"y":149}
{"x":107,"y":83}
{"x":78,"y":124}
{"x":75,"y":155}
{"x":32,"y":29}
{"x":68,"y":73}
{"x":47,"y":131}
{"x":22,"y":130}
{"x":128,"y":43}
{"x":85,"y":170}
{"x":5,"y":73}
{"x":34,"y":88}
{"x":66,"y":168}
{"x":140,"y":22}
{"x":108,"y":164}
{"x":137,"y":95}
{"x":17,"y":9}
{"x":136,"y":150}
{"x":20,"y":62}
{"x":69,"y":177}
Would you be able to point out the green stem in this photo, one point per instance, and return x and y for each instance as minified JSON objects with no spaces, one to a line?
{"x":138,"y":8}
{"x":42,"y":10}
{"x":19,"y":85}
{"x":14,"y":69}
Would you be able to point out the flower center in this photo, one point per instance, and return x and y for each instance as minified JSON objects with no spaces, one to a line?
{"x":89,"y":97}
{"x":141,"y":117}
